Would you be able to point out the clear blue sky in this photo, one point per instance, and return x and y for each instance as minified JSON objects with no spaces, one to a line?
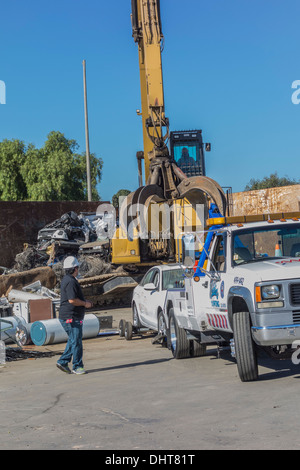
{"x":228,"y":67}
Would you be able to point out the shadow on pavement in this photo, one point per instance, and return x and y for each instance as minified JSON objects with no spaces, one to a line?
{"x":279,"y":368}
{"x":125,"y":366}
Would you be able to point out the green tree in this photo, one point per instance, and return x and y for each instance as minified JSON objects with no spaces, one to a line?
{"x":120,"y":193}
{"x":272,"y":181}
{"x":55,"y":172}
{"x":12,"y":158}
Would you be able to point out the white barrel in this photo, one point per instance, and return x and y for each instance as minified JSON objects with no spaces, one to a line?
{"x":8,"y":332}
{"x":52,"y":332}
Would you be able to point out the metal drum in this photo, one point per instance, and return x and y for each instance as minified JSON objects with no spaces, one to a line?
{"x":51,"y":331}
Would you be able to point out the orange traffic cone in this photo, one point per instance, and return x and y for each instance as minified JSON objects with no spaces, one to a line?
{"x":278,"y":251}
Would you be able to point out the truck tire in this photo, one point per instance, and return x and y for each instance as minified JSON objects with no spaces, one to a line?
{"x":197,"y":349}
{"x":136,"y":323}
{"x":245,"y":351}
{"x":178,"y":342}
{"x":128,"y":331}
{"x":122,"y":328}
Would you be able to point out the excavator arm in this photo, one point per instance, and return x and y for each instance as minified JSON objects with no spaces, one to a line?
{"x":160,"y":168}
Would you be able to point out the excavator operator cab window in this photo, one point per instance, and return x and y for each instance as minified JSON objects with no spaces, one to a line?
{"x":185,"y":155}
{"x":187,"y":152}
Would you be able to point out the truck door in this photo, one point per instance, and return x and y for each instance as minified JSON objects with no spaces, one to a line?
{"x":216,"y":312}
{"x":197,"y":289}
{"x":189,"y":251}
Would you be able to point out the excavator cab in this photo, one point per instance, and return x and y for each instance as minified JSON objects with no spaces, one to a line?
{"x":187,"y":150}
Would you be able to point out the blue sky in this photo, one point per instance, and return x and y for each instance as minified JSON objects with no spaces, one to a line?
{"x":228,"y":68}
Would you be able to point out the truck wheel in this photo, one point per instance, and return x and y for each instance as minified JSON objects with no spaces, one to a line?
{"x":179,"y":344}
{"x":122,"y":327}
{"x":245,"y":352}
{"x":128,"y":331}
{"x":197,"y":349}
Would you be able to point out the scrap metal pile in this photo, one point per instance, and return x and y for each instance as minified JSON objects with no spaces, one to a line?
{"x":84,"y":236}
{"x":71,"y":234}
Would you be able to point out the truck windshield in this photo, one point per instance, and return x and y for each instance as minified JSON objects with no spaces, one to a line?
{"x":258,"y":244}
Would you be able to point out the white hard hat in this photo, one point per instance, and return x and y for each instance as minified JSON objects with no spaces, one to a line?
{"x":70,"y":262}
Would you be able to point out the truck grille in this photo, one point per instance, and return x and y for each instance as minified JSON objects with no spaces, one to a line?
{"x":295,"y":294}
{"x":296,"y":316}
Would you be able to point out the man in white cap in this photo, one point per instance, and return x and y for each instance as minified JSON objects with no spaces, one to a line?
{"x":71,"y":314}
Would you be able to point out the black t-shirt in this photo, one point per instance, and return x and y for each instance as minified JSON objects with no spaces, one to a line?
{"x":70,"y":289}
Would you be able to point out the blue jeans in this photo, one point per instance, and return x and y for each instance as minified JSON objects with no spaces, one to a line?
{"x":74,"y":345}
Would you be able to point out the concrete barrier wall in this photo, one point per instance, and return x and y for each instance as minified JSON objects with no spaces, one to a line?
{"x":284,"y":199}
{"x":21,"y":221}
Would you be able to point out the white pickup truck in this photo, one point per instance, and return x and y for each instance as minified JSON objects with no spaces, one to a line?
{"x":248,"y":295}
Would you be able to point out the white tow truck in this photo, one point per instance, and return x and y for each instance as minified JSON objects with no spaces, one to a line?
{"x":244,"y":291}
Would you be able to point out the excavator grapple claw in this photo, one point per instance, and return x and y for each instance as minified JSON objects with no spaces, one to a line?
{"x":196,"y":190}
{"x":133,"y":212}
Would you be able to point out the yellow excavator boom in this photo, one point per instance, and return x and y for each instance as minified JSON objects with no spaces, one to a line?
{"x":146,"y":31}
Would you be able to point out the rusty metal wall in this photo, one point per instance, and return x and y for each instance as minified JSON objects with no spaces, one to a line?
{"x":21,"y":221}
{"x":284,"y":199}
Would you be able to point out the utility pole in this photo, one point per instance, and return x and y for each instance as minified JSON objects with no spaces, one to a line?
{"x":87,"y":143}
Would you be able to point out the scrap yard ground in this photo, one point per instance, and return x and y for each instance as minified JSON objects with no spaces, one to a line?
{"x":136,"y":396}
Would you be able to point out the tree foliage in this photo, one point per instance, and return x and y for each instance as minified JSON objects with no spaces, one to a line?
{"x":12,"y":158}
{"x":54,"y":172}
{"x":121,"y":193}
{"x":272,"y":181}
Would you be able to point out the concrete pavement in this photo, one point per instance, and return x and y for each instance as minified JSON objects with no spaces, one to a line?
{"x":136,"y":396}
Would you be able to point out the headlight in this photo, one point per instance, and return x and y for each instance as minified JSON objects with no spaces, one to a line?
{"x":270,"y":292}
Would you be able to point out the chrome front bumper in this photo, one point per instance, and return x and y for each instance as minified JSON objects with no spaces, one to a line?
{"x":275,"y":335}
